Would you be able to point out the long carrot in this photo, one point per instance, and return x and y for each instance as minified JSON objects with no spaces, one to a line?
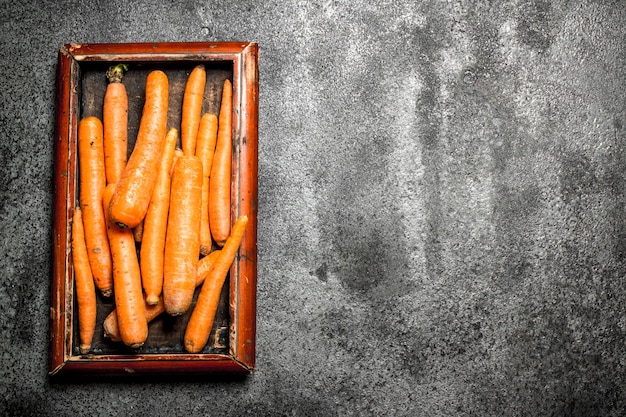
{"x":203,"y":314}
{"x":92,"y":184}
{"x":111,"y":328}
{"x":182,"y":241}
{"x":219,"y":184}
{"x":115,"y":121}
{"x":127,"y":281}
{"x":205,"y":148}
{"x":192,"y":109}
{"x":134,"y":190}
{"x":155,"y":225}
{"x":85,"y":287}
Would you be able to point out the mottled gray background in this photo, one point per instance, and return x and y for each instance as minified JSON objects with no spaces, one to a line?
{"x":442,"y":224}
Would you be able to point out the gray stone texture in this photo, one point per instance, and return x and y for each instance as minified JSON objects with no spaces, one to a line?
{"x":442,"y":220}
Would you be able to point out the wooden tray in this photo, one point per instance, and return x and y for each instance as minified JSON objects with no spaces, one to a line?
{"x":81,"y":83}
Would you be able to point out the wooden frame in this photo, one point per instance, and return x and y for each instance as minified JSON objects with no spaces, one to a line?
{"x":79,"y":65}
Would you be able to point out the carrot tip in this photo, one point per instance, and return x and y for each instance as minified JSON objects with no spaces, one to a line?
{"x":190,"y":347}
{"x":152,"y":300}
{"x":175,"y":313}
{"x":204,"y":250}
{"x":115,"y":73}
{"x":112,"y":337}
{"x":85,"y":348}
{"x":135,"y":345}
{"x":107,"y":293}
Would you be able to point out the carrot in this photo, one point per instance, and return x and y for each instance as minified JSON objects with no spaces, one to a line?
{"x":219,"y":184}
{"x":204,"y":266}
{"x":115,"y":121}
{"x":205,"y":148}
{"x":111,"y":329}
{"x":127,"y":281}
{"x":182,"y":241}
{"x":85,"y":287}
{"x":192,"y":109}
{"x":155,"y":225}
{"x":92,"y":183}
{"x":138,"y":232}
{"x":134,"y":190}
{"x":178,"y":152}
{"x":203,"y":314}
{"x":111,"y":324}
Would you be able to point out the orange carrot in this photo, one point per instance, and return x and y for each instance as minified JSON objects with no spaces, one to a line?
{"x":138,"y":232}
{"x":203,"y":314}
{"x":111,"y":325}
{"x":134,"y":190}
{"x":155,"y":225}
{"x":205,"y":148}
{"x":115,"y":121}
{"x":182,"y":241}
{"x":92,"y":183}
{"x":204,"y":266}
{"x":111,"y":329}
{"x":126,"y":281}
{"x":177,"y":154}
{"x":192,"y":109}
{"x":85,"y":287}
{"x":219,"y":184}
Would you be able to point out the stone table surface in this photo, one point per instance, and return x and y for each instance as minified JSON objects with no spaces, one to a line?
{"x":442,"y":220}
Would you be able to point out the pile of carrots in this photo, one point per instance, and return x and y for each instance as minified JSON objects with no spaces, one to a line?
{"x":173,"y":202}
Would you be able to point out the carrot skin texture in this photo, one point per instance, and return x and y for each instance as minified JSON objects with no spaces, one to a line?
{"x":219,"y":184}
{"x":129,"y":301}
{"x":132,"y":195}
{"x":205,"y":149}
{"x":85,"y":287}
{"x":115,"y":121}
{"x":201,"y":320}
{"x":155,"y":225}
{"x":192,"y":109}
{"x":92,"y":184}
{"x":182,"y":241}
